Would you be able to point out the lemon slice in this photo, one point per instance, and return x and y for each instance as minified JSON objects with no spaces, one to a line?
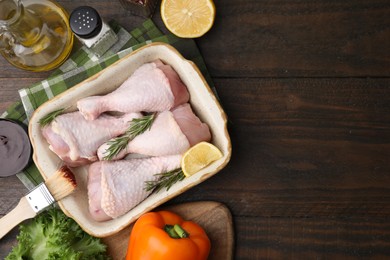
{"x":198,"y":157}
{"x":188,"y":18}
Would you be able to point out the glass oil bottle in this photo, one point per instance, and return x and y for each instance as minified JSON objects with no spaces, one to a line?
{"x":34,"y":34}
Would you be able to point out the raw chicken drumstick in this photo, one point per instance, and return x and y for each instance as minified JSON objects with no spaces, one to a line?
{"x":172,"y":132}
{"x":152,"y":87}
{"x":76,"y":140}
{"x":115,"y":187}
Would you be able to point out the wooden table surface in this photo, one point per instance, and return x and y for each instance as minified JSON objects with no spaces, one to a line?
{"x":306,"y":87}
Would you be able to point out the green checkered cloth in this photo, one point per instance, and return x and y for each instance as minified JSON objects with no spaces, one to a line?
{"x":83,"y":64}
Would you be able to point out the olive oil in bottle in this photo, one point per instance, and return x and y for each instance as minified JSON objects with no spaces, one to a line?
{"x":34,"y":34}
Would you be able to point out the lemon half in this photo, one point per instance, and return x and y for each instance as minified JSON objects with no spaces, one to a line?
{"x":188,"y":18}
{"x":198,"y":157}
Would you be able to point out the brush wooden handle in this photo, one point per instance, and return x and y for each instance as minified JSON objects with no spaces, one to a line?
{"x":21,"y":212}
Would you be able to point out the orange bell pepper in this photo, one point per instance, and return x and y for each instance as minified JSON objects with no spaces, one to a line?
{"x":165,"y":235}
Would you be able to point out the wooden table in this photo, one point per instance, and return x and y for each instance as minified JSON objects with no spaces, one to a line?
{"x":307,"y":90}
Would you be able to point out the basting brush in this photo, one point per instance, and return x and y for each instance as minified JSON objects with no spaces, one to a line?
{"x":55,"y":188}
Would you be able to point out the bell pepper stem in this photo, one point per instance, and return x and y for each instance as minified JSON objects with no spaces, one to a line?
{"x":175,"y":231}
{"x":180,"y":231}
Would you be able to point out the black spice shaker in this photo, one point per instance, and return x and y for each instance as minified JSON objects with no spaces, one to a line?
{"x":91,"y":30}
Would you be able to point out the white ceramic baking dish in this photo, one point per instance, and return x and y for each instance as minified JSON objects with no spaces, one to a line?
{"x":203,"y":102}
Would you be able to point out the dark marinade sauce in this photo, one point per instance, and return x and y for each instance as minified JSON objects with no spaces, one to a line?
{"x":15,"y":147}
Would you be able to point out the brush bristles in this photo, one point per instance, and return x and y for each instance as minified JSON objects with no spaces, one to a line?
{"x":62,"y":183}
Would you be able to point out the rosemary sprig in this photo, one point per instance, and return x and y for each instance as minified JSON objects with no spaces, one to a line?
{"x":165,"y":180}
{"x":50,"y":117}
{"x":115,"y":146}
{"x":140,"y":125}
{"x":137,"y":127}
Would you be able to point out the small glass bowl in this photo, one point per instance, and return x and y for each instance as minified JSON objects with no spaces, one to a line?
{"x":144,"y":8}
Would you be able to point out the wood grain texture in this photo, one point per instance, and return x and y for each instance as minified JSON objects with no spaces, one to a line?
{"x":305,"y":85}
{"x":11,"y":190}
{"x":299,"y":39}
{"x":312,"y":238}
{"x":305,"y":147}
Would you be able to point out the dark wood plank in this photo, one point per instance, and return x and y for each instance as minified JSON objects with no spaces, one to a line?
{"x":9,"y":90}
{"x":10,"y":197}
{"x":299,"y":39}
{"x":312,"y":238}
{"x":306,"y":87}
{"x":317,"y":148}
{"x":281,"y":38}
{"x":304,"y":147}
{"x":10,"y":193}
{"x":8,"y":242}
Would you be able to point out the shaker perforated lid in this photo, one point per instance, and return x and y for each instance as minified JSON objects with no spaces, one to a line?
{"x":85,"y":22}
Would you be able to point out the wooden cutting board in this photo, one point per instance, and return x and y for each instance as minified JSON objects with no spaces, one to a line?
{"x":214,"y":217}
